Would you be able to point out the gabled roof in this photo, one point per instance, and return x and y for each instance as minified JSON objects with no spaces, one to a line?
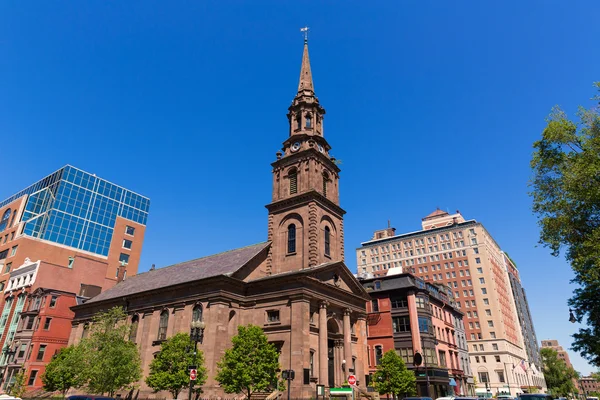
{"x":225,"y":263}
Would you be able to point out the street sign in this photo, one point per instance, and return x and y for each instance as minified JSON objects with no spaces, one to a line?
{"x":352,"y":380}
{"x":193,"y":374}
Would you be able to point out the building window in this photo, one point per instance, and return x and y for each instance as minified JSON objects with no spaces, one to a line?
{"x":374,"y":305}
{"x":32,"y":377}
{"x":378,"y":354}
{"x":399,"y":302}
{"x":477,"y":260}
{"x":293,"y":177}
{"x":490,"y":323}
{"x":483,"y":291}
{"x":4,"y":220}
{"x":47,"y":323}
{"x":298,"y":121}
{"x":500,"y":375}
{"x":135,"y":322}
{"x":406,"y":354}
{"x":497,"y":359}
{"x":422,"y":302}
{"x":327,"y":241}
{"x":424,"y":324}
{"x":482,"y":281}
{"x":493,"y":335}
{"x":486,"y":302}
{"x":13,"y":251}
{"x":162,"y":326}
{"x":312,"y":363}
{"x":22,"y":350}
{"x":291,"y":244}
{"x":7,"y":268}
{"x":30,"y":321}
{"x":53,"y":301}
{"x":401,"y":324}
{"x":127,"y":244}
{"x":442,"y":355}
{"x":71,"y":261}
{"x":41,"y":351}
{"x":124,"y":258}
{"x":308,"y":120}
{"x":129,"y":230}
{"x":273,"y":316}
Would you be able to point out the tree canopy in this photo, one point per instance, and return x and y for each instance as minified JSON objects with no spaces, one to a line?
{"x":566,"y":200}
{"x":169,"y":370}
{"x":251,"y":365}
{"x":559,"y":377}
{"x":392,"y":376}
{"x":65,"y":370}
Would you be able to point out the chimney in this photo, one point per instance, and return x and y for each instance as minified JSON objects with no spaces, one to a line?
{"x":121,"y":273}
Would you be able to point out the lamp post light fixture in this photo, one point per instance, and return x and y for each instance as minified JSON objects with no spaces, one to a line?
{"x":572,"y":318}
{"x":196,"y":336}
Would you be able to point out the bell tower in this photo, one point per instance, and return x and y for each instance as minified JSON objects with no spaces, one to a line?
{"x":306,"y":225}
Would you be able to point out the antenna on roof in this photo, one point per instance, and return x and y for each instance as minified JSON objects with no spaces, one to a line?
{"x":389,"y":225}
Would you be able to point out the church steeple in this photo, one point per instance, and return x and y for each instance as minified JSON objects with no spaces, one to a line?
{"x":306,"y":82}
{"x":306,"y":225}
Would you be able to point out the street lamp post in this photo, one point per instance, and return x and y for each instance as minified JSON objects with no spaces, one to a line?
{"x":196,"y":336}
{"x":8,"y":354}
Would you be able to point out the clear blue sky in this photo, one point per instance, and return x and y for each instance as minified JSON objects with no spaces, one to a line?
{"x":429,"y":104}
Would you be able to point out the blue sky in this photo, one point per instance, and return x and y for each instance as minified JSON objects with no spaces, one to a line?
{"x":429,"y":104}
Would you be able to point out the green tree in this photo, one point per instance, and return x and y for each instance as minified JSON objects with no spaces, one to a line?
{"x":251,"y":365}
{"x":392,"y":377}
{"x":169,"y":370}
{"x":559,"y":377}
{"x":111,"y":361}
{"x":17,"y":387}
{"x":65,"y":370}
{"x":566,"y":200}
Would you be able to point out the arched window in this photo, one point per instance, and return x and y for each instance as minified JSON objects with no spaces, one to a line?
{"x":293,"y":175}
{"x":162,"y":326}
{"x":298,"y":121}
{"x":135,"y":322}
{"x":197,"y":313}
{"x":325,"y":180}
{"x":291,"y":244}
{"x":327,"y":241}
{"x":308,"y":120}
{"x":4,"y":220}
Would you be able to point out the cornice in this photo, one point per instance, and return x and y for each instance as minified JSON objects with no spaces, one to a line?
{"x":306,"y":154}
{"x":303,"y":199}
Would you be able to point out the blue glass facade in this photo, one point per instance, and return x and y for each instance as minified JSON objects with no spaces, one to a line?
{"x":78,"y":209}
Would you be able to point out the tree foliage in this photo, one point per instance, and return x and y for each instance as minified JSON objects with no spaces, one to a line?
{"x":169,"y":370}
{"x":65,"y":370}
{"x":251,"y":365}
{"x":559,"y":377}
{"x":17,"y":387}
{"x":112,"y":362}
{"x":392,"y":376}
{"x":566,"y":199}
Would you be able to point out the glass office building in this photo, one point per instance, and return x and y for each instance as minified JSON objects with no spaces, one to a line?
{"x":77,"y":209}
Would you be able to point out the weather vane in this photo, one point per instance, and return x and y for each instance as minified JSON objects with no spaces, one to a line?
{"x":305,"y":30}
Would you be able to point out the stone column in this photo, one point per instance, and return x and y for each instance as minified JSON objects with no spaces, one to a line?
{"x":323,"y":373}
{"x":347,"y":343}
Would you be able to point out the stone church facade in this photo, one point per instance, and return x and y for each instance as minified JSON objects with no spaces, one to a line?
{"x":295,"y":285}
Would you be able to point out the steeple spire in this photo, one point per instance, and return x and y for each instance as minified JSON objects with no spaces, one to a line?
{"x":306,"y":82}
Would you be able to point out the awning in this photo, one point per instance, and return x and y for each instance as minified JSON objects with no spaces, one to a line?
{"x":452,"y":382}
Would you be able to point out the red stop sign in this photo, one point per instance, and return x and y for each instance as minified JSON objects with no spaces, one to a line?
{"x":193,"y":374}
{"x":352,"y":380}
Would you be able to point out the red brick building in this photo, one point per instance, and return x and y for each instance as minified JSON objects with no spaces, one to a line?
{"x":408,"y":315}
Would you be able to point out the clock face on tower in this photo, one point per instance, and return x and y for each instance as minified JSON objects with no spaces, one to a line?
{"x":295,"y":147}
{"x":321,"y":149}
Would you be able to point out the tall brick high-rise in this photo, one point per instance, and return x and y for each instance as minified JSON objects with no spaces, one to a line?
{"x":464,"y":256}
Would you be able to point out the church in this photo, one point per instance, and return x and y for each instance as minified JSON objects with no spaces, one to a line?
{"x":295,"y":285}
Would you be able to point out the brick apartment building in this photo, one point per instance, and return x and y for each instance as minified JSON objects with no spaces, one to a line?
{"x":463,"y":256}
{"x":588,"y":385}
{"x":71,"y":232}
{"x":409,"y":315}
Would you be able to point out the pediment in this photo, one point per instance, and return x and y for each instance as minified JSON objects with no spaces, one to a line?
{"x":339,"y":276}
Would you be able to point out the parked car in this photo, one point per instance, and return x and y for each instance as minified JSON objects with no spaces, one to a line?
{"x":88,"y":397}
{"x":535,"y":396}
{"x":417,"y":398}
